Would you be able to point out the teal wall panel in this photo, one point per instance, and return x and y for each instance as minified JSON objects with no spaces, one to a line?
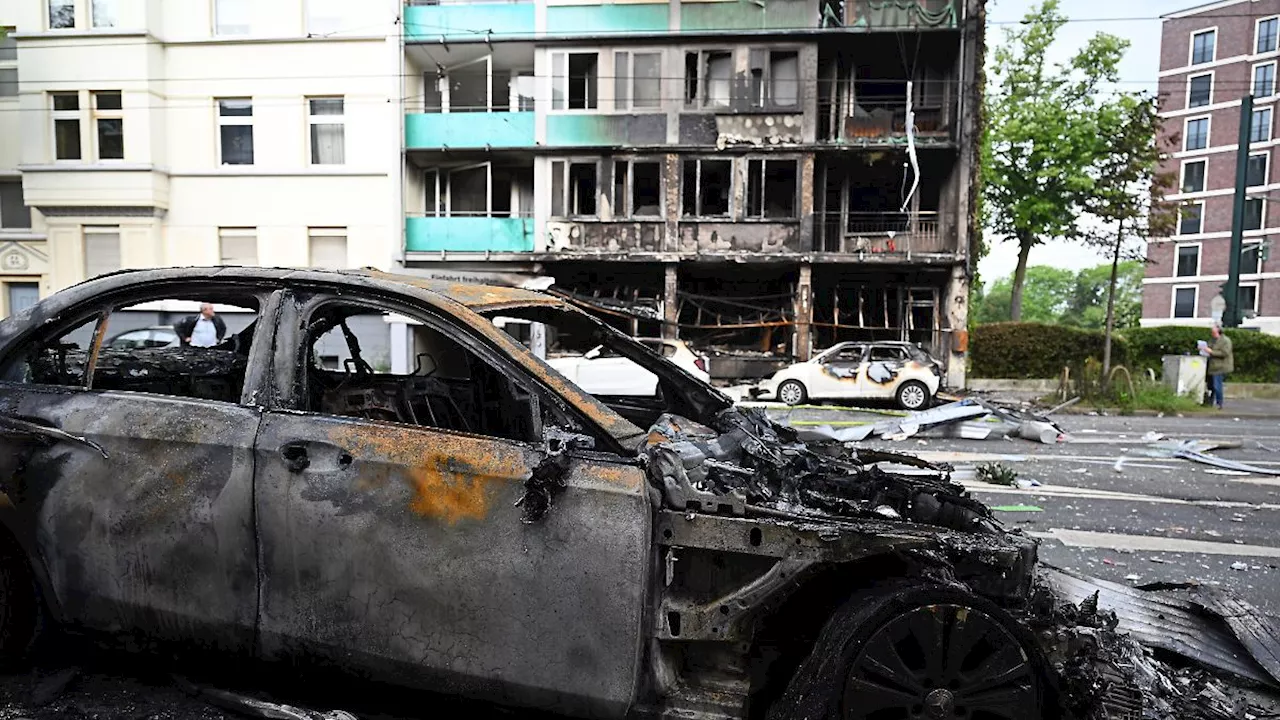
{"x":608,"y":19}
{"x":433,"y":131}
{"x":473,"y":234}
{"x":467,"y":21}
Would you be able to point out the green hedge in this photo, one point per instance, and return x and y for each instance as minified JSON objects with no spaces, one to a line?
{"x":1257,"y":356}
{"x":1036,"y":350}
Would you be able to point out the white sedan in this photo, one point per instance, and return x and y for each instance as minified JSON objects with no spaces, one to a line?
{"x":602,"y":373}
{"x":879,"y":370}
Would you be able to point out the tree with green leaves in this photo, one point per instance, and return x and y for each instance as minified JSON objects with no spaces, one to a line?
{"x":1088,"y":305}
{"x":1040,"y":140}
{"x":1047,"y":295}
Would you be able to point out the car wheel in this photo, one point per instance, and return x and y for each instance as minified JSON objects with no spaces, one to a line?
{"x":19,"y":605}
{"x":792,"y":392}
{"x":918,"y":650}
{"x":913,"y":395}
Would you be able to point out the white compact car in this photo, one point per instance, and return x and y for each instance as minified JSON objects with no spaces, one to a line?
{"x":600,"y":372}
{"x":877,"y":370}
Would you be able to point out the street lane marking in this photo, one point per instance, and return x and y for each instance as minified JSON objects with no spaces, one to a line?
{"x":1067,"y":491}
{"x":974,"y":457}
{"x":1151,"y":543}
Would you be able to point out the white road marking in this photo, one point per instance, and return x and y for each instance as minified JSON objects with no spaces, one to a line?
{"x":1067,"y":491}
{"x":1129,"y":458}
{"x":1151,"y":543}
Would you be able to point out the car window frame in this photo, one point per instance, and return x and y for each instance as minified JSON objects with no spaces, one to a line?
{"x":289,"y":353}
{"x":102,"y":306}
{"x":903,"y":354}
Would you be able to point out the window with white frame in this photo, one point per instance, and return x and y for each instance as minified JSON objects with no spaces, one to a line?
{"x":237,"y":246}
{"x":1204,"y":47}
{"x":575,"y":80}
{"x":328,"y":131}
{"x":8,"y":64}
{"x":108,"y":122}
{"x":637,"y":188}
{"x":327,"y":248}
{"x":1192,"y":219}
{"x":325,"y":17}
{"x":772,"y":186}
{"x":1199,"y":90}
{"x":637,"y":80}
{"x":1251,"y":258}
{"x":1260,"y":125}
{"x":1193,"y":175}
{"x":101,"y":250}
{"x":103,"y":13}
{"x":775,"y":78}
{"x":1188,"y":264}
{"x":62,"y":14}
{"x":1184,"y":301}
{"x":22,"y":295}
{"x":231,"y":17}
{"x":575,"y":188}
{"x":1248,"y":297}
{"x":14,"y":212}
{"x":1255,"y":213}
{"x":235,"y":131}
{"x":1256,"y":170}
{"x":1264,"y":80}
{"x":66,"y":125}
{"x":1196,"y":134}
{"x":1266,"y":35}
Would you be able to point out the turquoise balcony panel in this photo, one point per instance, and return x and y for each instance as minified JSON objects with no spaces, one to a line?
{"x":608,"y":19}
{"x":467,"y":21}
{"x":748,"y":15}
{"x":580,"y":130}
{"x":436,"y":131}
{"x":900,"y":15}
{"x":468,"y":234}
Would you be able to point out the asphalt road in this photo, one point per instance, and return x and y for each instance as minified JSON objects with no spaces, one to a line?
{"x":1153,"y":520}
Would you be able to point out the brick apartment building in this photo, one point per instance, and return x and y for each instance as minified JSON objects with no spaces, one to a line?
{"x":1210,"y":57}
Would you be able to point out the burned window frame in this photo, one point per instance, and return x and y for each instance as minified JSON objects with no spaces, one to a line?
{"x":565,"y":190}
{"x":624,"y":207}
{"x":698,"y":200}
{"x":760,"y":88}
{"x":761,"y":214}
{"x":697,"y":85}
{"x":562,"y":79}
{"x":258,"y":360}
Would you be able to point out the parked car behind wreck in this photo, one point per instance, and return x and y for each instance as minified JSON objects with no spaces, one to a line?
{"x":480,"y":525}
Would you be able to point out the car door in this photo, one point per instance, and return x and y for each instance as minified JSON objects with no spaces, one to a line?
{"x":842,"y":371}
{"x":884,"y":370}
{"x":131,"y":477}
{"x":409,"y":541}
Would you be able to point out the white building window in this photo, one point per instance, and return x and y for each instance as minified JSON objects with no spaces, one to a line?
{"x":1199,"y":90}
{"x":1266,"y":35}
{"x":102,"y":13}
{"x":1256,"y":170}
{"x":328,"y":131}
{"x":1264,"y":80}
{"x":1204,"y":47}
{"x":637,"y":80}
{"x":235,"y":131}
{"x":575,"y":188}
{"x":14,"y":212}
{"x":101,"y":250}
{"x":575,"y":81}
{"x":1184,"y":301}
{"x":1251,"y":258}
{"x":22,"y":295}
{"x":66,"y":125}
{"x":237,"y":246}
{"x":324,"y":17}
{"x":8,"y":64}
{"x":1192,"y":219}
{"x":1193,"y":175}
{"x":62,"y":14}
{"x":1248,"y":298}
{"x":231,"y":17}
{"x":1188,"y":261}
{"x":1260,"y":128}
{"x":327,"y":247}
{"x":1196,"y":134}
{"x":108,"y":120}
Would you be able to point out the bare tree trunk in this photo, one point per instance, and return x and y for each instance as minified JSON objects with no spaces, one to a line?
{"x":1111,"y":302}
{"x":1019,"y":277}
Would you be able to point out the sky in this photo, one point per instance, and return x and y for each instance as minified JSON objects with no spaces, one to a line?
{"x":1138,"y":71}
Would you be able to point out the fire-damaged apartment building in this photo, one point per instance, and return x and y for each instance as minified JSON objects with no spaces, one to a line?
{"x":758,"y":178}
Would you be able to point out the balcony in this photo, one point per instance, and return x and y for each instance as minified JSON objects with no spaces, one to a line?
{"x":590,"y":130}
{"x":468,"y":130}
{"x":872,"y":15}
{"x":460,"y":22}
{"x":747,"y":15}
{"x":608,"y":19}
{"x":889,"y":234}
{"x":881,"y":123}
{"x":468,"y":234}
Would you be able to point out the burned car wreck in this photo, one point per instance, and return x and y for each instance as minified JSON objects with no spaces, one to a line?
{"x":463,"y":519}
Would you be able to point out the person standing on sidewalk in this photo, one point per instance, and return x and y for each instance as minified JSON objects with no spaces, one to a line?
{"x":1221,"y":363}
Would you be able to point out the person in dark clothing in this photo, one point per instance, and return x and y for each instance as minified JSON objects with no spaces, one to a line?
{"x":203,"y":330}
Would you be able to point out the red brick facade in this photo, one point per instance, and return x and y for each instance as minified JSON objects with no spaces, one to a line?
{"x":1232,"y":67}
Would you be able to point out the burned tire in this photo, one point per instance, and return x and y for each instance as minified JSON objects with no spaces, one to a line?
{"x":20,"y":607}
{"x":916,"y":650}
{"x":913,"y":395}
{"x":792,"y":392}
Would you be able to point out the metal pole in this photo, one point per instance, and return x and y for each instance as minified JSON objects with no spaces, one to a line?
{"x":1231,"y":291}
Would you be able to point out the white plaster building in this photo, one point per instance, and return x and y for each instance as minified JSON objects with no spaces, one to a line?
{"x":183,"y":132}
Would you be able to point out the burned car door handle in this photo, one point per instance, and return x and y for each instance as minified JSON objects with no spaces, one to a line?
{"x":11,"y":425}
{"x":295,"y":456}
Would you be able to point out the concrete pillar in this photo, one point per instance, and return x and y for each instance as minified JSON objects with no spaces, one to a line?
{"x":956,"y":314}
{"x":803,"y":340}
{"x":670,"y":303}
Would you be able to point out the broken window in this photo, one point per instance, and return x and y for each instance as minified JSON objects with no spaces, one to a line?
{"x":771,"y":189}
{"x":705,"y":187}
{"x":440,"y":383}
{"x":574,"y":187}
{"x":775,"y":78}
{"x":159,"y":346}
{"x":469,"y":191}
{"x":707,"y":77}
{"x":637,"y":80}
{"x":637,"y":188}
{"x":574,"y":81}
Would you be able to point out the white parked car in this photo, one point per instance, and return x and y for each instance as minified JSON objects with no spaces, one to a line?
{"x":877,"y":370}
{"x":601,"y":372}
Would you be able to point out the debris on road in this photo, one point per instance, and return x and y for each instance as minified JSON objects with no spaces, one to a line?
{"x":996,"y":474}
{"x":1198,"y":451}
{"x":967,"y":419}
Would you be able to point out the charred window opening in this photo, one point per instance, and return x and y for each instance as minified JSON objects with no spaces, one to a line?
{"x":708,"y":76}
{"x":162,"y":346}
{"x":771,"y":189}
{"x":705,"y":187}
{"x":637,"y":188}
{"x":575,"y":81}
{"x":775,"y":78}
{"x":449,"y":387}
{"x":574,"y":187}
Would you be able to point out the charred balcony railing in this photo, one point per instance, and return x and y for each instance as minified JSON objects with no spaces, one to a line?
{"x":879,"y":121}
{"x":891,"y":14}
{"x":881,"y":233}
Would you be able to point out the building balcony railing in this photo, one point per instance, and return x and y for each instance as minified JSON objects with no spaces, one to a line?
{"x":469,"y":233}
{"x":881,"y":233}
{"x":891,"y":14}
{"x":460,"y":130}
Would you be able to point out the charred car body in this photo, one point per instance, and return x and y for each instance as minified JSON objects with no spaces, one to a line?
{"x":478,"y":524}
